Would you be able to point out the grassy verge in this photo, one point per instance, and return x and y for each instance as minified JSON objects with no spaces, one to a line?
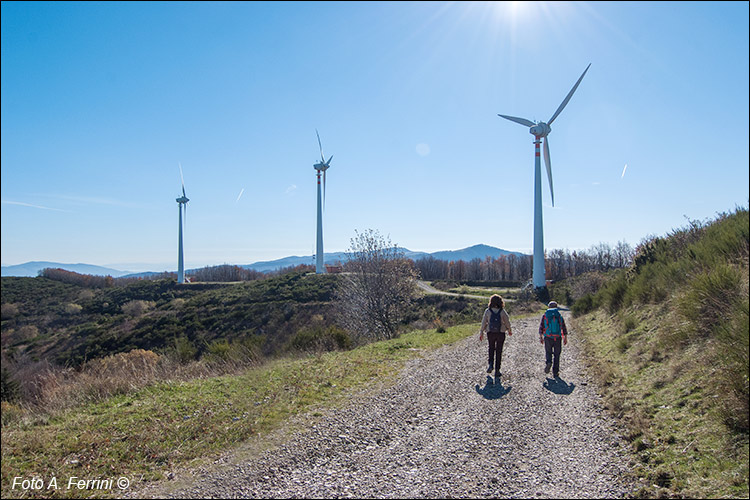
{"x":667,"y":403}
{"x":141,"y":436}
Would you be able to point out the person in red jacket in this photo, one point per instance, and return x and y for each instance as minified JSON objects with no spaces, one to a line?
{"x":553,"y":334}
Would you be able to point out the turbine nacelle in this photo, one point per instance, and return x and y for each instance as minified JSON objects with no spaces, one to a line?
{"x":182,"y":199}
{"x":541,"y":129}
{"x":322,"y":167}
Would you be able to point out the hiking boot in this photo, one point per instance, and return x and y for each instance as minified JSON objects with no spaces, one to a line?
{"x":556,"y":375}
{"x":547,"y":367}
{"x":489,"y":370}
{"x":497,"y":375}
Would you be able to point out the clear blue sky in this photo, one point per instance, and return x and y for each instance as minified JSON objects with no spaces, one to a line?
{"x":100,"y":101}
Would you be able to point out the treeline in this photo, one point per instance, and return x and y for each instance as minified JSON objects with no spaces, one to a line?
{"x":223,"y":273}
{"x":560,"y":264}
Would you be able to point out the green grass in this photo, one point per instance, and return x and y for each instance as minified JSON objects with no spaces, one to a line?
{"x":668,"y":404}
{"x":174,"y":424}
{"x":668,"y":340}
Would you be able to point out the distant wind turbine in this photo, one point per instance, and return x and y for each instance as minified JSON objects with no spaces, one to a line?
{"x":541,"y":130}
{"x":623,"y":171}
{"x":321,"y":169}
{"x":182,"y":204}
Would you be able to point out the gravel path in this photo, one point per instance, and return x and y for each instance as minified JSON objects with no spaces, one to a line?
{"x":444,"y":430}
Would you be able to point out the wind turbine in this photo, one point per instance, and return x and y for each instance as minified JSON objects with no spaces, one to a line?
{"x":321,"y":169}
{"x":182,"y":204}
{"x":541,"y":130}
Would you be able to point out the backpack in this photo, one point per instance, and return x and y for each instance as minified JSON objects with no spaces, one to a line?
{"x":496,"y":321}
{"x":554,"y":323}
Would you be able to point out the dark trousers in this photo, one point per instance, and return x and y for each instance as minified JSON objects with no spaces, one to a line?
{"x":553,"y":346}
{"x":496,"y":341}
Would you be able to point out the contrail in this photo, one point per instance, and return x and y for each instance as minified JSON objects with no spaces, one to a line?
{"x":22,"y":204}
{"x":240,"y":195}
{"x":623,"y":171}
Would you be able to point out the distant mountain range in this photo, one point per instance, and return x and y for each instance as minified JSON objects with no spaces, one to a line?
{"x":467,"y":254}
{"x":33,"y":268}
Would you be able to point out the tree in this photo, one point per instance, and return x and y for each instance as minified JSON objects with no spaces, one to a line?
{"x":376,"y":289}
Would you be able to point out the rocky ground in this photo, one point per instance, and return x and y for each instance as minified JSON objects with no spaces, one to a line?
{"x":444,"y":429}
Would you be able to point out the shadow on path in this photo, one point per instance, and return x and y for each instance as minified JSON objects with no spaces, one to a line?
{"x":558,"y":386}
{"x":491,"y":390}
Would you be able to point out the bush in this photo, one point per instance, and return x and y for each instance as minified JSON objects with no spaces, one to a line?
{"x":734,"y":383}
{"x":233,"y":353}
{"x":10,"y":389}
{"x":8,"y":311}
{"x":73,"y":309}
{"x":138,"y":307}
{"x":321,"y":338}
{"x":710,"y":296}
{"x":584,"y":305}
{"x":184,"y":351}
{"x":614,"y":293}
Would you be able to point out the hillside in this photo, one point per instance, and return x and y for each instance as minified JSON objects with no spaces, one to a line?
{"x":668,"y":341}
{"x":67,"y":324}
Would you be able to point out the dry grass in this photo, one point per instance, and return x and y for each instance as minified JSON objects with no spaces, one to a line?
{"x":47,"y":389}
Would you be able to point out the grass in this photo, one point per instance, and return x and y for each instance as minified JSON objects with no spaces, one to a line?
{"x":667,"y":402}
{"x":145,"y":434}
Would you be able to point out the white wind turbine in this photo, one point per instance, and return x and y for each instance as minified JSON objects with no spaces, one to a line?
{"x":321,"y":168}
{"x":182,"y":204}
{"x":541,"y":130}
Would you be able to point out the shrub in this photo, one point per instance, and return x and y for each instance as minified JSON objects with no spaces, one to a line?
{"x":10,"y":389}
{"x":710,"y":296}
{"x":734,"y":383}
{"x":218,"y":350}
{"x":584,"y":305}
{"x":321,"y":338}
{"x":27,"y":332}
{"x":184,"y":351}
{"x":614,"y":293}
{"x":138,"y":307}
{"x":73,"y":309}
{"x":8,"y":311}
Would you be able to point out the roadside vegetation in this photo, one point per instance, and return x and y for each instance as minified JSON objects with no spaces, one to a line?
{"x":173,"y":423}
{"x":667,"y":340}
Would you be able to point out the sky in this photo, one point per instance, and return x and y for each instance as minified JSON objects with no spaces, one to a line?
{"x":102,"y":102}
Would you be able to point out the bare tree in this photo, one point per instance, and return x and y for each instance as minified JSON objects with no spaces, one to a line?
{"x":376,"y":289}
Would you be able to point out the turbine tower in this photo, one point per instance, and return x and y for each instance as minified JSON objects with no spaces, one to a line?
{"x":541,"y":130}
{"x":182,"y":204}
{"x":321,"y":169}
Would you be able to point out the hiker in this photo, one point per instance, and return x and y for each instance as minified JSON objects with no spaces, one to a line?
{"x":496,"y":323}
{"x":553,"y":334}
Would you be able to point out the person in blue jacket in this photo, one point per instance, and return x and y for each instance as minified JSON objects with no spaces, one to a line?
{"x":553,"y":334}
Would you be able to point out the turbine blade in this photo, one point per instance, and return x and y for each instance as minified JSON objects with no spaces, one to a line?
{"x":329,"y":161}
{"x":548,"y":164}
{"x":182,"y":179}
{"x":322,"y":158}
{"x":522,"y":121}
{"x":567,"y":98}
